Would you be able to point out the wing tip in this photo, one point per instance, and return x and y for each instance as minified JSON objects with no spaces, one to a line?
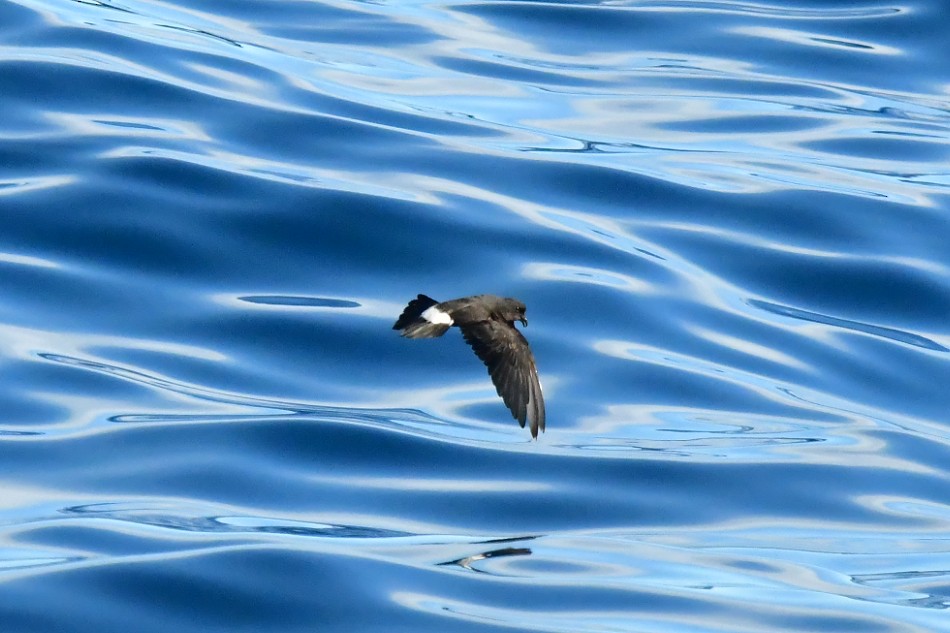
{"x":537,"y":423}
{"x":535,"y":408}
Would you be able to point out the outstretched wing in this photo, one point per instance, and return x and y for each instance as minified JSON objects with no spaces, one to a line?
{"x":511,"y":365}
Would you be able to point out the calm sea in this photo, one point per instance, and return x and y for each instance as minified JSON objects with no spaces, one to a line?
{"x":730,"y":223}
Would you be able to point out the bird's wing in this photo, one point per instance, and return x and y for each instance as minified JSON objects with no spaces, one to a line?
{"x":511,"y":365}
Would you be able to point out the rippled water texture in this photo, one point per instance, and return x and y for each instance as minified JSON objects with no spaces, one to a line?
{"x":729,"y":222}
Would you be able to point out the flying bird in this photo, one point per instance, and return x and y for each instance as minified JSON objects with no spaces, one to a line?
{"x":488,"y":325}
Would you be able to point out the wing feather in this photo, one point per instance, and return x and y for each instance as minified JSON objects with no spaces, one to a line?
{"x":511,"y":366}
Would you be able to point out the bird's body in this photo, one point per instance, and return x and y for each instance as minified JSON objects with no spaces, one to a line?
{"x":487,"y":324}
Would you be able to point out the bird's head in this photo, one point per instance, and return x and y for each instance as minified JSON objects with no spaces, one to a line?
{"x":514,"y":310}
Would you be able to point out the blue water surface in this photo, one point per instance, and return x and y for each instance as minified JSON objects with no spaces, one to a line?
{"x":730,"y":223}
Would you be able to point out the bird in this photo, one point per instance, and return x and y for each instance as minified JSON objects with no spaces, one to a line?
{"x":488,"y":326}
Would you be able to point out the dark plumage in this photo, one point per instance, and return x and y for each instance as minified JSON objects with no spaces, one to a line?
{"x":487,"y":324}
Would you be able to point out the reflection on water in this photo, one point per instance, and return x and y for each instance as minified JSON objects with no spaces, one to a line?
{"x":814,"y":317}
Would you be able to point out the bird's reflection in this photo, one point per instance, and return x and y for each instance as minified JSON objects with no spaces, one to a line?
{"x":469,"y":561}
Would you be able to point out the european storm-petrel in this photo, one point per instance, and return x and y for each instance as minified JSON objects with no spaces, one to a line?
{"x":488,"y":325}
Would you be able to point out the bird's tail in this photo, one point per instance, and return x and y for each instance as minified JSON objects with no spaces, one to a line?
{"x":422,"y":319}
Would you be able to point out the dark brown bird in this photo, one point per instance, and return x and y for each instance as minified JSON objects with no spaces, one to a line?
{"x":487,"y":324}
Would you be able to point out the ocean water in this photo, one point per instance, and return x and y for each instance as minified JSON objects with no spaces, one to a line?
{"x":729,"y":221}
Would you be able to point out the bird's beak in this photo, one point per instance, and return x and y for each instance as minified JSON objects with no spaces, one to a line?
{"x":524,"y":321}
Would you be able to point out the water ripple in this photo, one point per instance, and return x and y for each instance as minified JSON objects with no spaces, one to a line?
{"x":814,"y":317}
{"x":728,"y":221}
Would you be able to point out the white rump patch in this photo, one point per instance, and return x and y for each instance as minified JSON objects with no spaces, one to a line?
{"x":434,"y":315}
